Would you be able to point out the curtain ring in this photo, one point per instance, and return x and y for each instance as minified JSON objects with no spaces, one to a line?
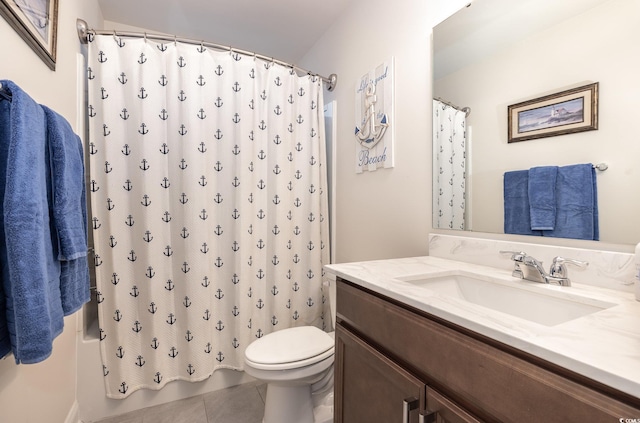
{"x":145,"y":37}
{"x":175,"y":40}
{"x":115,"y":36}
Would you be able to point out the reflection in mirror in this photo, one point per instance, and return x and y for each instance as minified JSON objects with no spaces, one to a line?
{"x":497,"y":53}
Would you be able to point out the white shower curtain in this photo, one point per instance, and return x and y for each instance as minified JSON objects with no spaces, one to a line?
{"x":449,"y":160}
{"x":208,"y":190}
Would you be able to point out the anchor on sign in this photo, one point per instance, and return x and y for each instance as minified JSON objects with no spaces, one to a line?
{"x":372,"y":131}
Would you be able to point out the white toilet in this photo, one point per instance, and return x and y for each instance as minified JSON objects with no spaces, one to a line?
{"x":297,"y":364}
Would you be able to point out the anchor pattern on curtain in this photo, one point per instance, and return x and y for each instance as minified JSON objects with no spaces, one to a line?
{"x":449,"y":144}
{"x":207,"y":184}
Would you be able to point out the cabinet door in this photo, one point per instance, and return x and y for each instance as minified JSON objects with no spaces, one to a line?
{"x":371,"y":388}
{"x":443,"y":410}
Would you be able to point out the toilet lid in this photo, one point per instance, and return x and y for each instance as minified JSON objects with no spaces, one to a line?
{"x":289,"y":345}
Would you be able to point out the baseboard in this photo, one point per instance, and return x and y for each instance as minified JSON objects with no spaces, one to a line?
{"x":73,"y":416}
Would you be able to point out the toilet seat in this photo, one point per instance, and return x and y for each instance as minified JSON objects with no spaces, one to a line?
{"x":290,"y":348}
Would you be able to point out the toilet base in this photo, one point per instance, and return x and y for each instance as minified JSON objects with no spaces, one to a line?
{"x":323,"y":407}
{"x":288,"y":404}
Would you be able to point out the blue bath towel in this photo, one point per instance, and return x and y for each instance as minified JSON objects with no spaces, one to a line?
{"x":30,"y":270}
{"x":577,"y":203}
{"x":68,"y":210}
{"x":542,"y":197}
{"x":517,"y":217}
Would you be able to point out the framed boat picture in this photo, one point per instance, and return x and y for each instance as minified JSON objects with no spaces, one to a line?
{"x":36,"y":21}
{"x":565,"y":112}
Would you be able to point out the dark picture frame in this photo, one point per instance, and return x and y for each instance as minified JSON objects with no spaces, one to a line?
{"x":37,"y":23}
{"x":564,"y":112}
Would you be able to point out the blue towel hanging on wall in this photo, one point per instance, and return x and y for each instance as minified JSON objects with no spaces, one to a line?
{"x":69,"y":211}
{"x":31,"y":307}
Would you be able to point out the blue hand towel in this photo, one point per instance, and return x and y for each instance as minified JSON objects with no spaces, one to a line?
{"x":74,"y":284}
{"x":67,"y":169}
{"x":30,"y":270}
{"x":517,"y":218}
{"x":5,"y":134}
{"x":542,"y":197}
{"x":69,"y":210}
{"x":577,"y":203}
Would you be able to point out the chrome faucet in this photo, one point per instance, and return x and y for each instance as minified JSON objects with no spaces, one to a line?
{"x":527,"y":267}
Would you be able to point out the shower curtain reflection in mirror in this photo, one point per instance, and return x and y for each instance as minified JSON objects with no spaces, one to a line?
{"x":450,"y":165}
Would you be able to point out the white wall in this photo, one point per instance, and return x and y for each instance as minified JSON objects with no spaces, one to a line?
{"x":592,"y":47}
{"x":386,"y":213}
{"x":46,"y":392}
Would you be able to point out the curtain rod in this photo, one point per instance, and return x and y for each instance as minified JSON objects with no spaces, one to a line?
{"x":466,"y":110}
{"x":84,"y":31}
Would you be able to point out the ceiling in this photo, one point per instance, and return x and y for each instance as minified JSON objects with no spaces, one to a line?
{"x":283,"y":29}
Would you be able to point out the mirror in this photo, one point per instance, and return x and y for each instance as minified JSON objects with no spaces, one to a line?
{"x":496,"y":53}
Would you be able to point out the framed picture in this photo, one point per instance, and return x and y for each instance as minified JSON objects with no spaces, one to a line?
{"x":565,"y":112}
{"x":36,"y":21}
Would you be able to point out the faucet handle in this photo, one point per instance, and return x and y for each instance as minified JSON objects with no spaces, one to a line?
{"x":518,"y":256}
{"x":559,"y":268}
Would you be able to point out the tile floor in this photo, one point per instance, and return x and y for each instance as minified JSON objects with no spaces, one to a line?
{"x":238,"y":404}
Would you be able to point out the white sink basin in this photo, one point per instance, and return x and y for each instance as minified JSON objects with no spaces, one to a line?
{"x":521,"y":299}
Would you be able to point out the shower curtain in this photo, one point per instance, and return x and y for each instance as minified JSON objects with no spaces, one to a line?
{"x":449,"y":159}
{"x":208,"y":190}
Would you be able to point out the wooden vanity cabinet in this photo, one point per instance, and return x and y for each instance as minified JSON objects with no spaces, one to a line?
{"x":389,"y":354}
{"x":374,"y":387}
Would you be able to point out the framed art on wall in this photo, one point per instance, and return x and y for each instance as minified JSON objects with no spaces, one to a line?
{"x":36,"y":21}
{"x":565,"y":112}
{"x":375,"y":122}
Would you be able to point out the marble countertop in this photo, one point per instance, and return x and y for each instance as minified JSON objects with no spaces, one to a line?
{"x":604,"y":346}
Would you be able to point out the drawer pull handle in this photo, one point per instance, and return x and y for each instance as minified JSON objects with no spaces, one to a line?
{"x":427,"y":416}
{"x":409,"y":404}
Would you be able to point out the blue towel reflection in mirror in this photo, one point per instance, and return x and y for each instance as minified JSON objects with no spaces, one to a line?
{"x":552,"y":201}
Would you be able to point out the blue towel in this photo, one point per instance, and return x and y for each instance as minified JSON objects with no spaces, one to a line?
{"x":30,"y":270}
{"x":517,"y":217}
{"x":5,"y":112}
{"x":542,"y":197}
{"x":74,"y":284}
{"x":577,"y":203}
{"x":68,"y":210}
{"x":67,"y":168}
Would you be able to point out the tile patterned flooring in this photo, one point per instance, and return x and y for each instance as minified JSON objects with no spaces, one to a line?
{"x":238,"y":404}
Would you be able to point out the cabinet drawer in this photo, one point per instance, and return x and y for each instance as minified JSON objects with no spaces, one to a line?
{"x":489,"y":382}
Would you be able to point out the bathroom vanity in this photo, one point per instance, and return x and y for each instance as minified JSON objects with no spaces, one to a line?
{"x":411,"y":345}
